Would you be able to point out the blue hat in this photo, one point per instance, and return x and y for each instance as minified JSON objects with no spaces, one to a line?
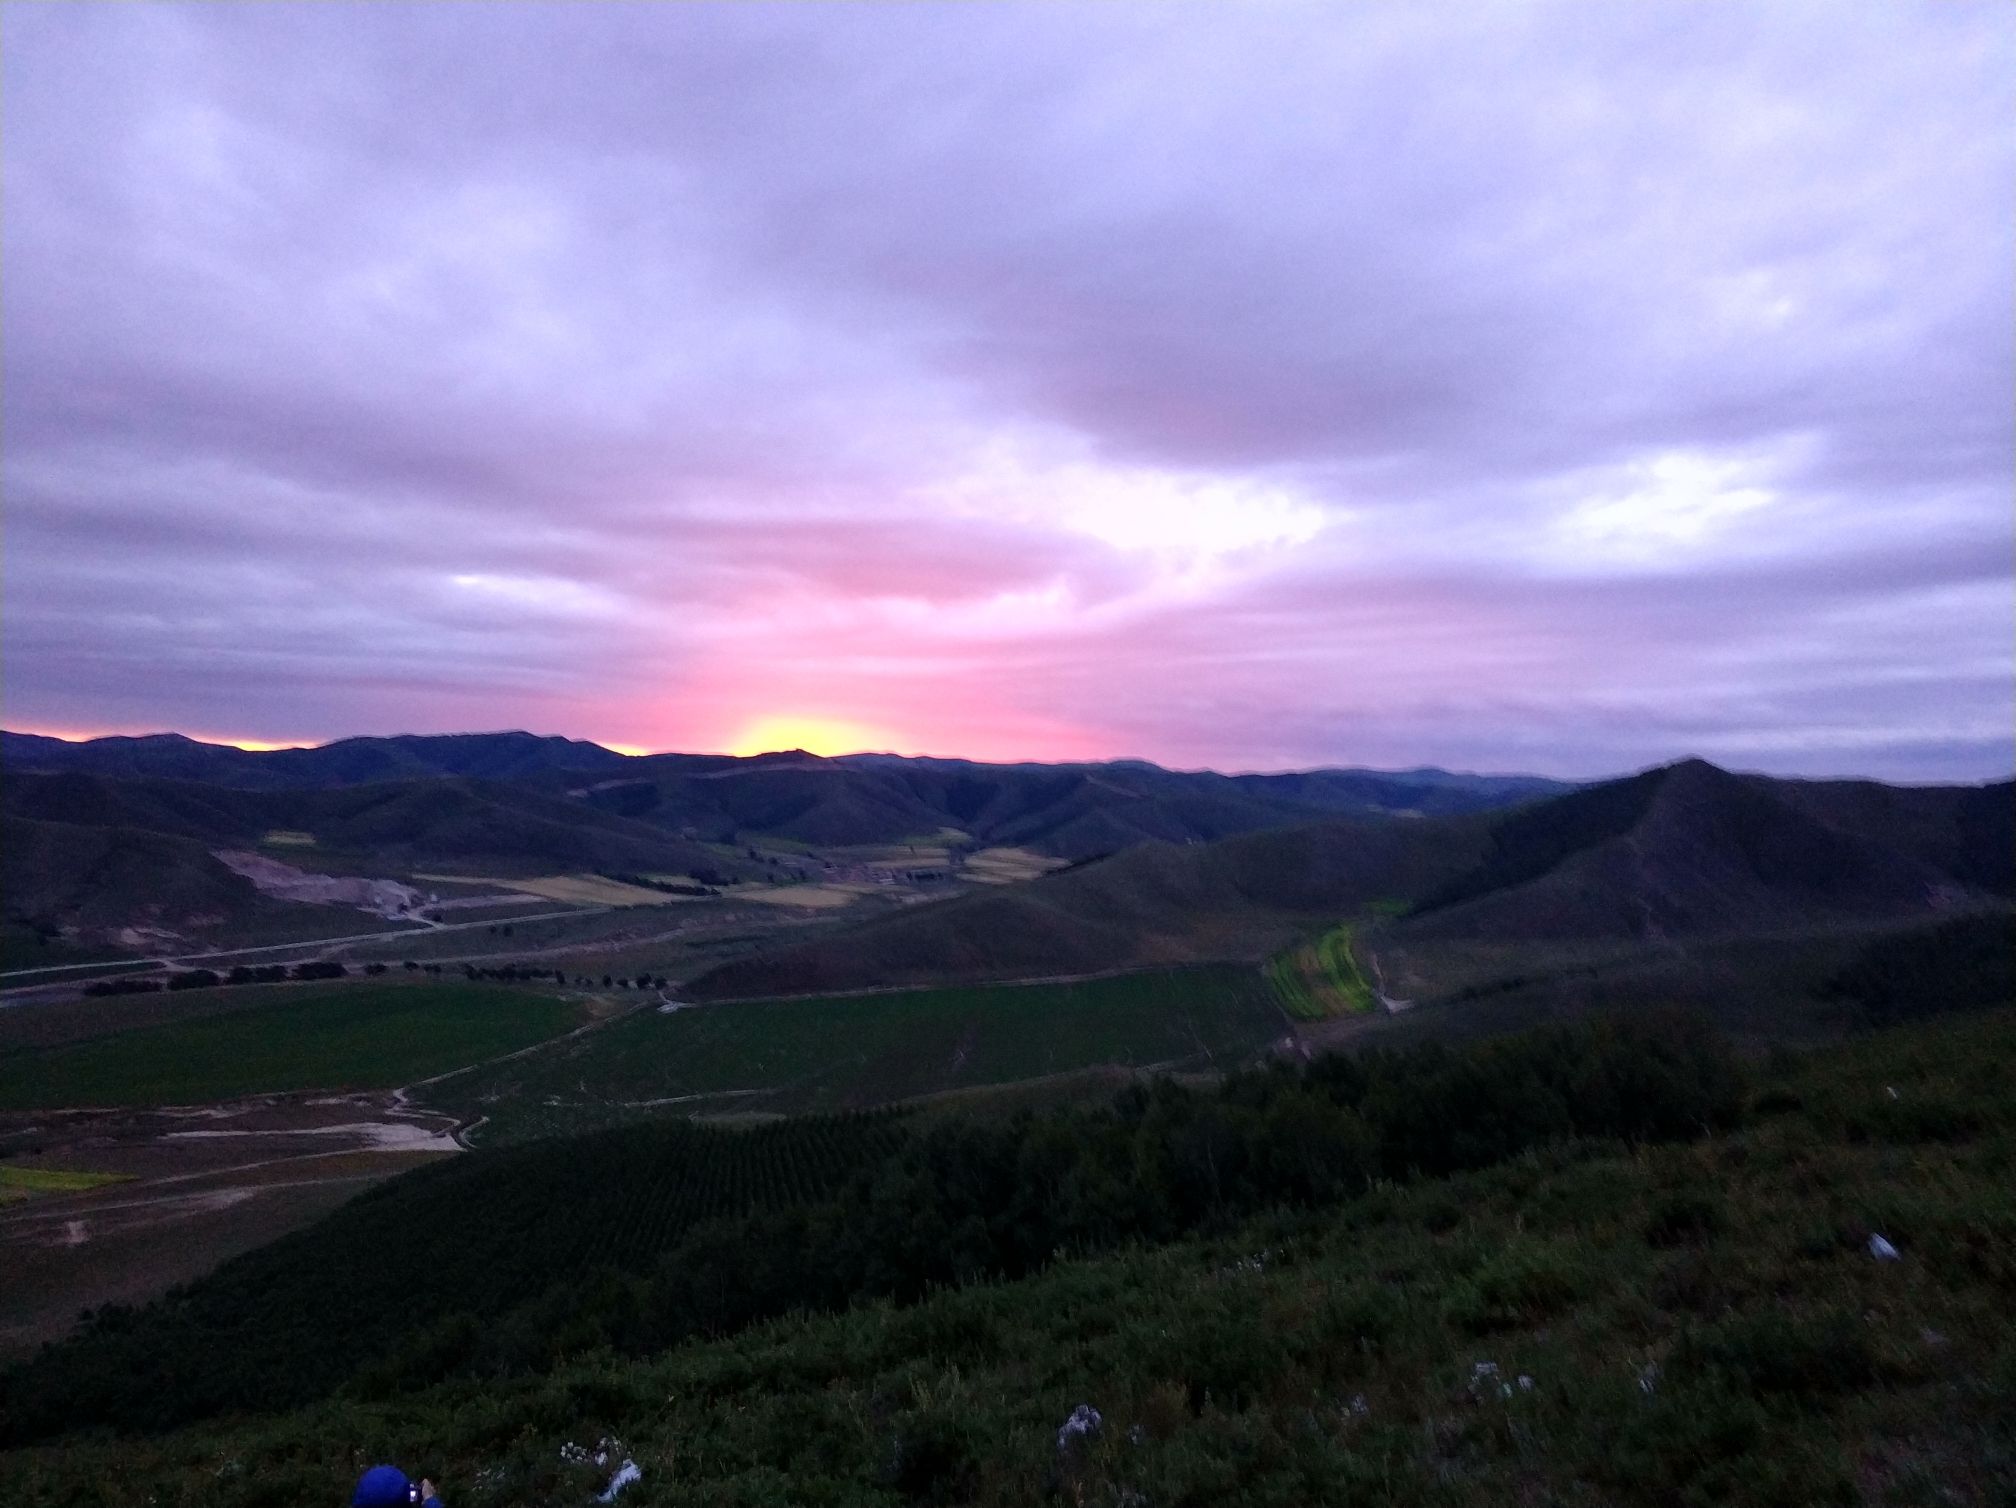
{"x":380,"y":1487}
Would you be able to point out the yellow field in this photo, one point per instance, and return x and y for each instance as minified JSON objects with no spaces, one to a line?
{"x":287,"y":838}
{"x":921,"y":856}
{"x":572,"y":889}
{"x":814,"y":897}
{"x":20,"y":1183}
{"x":1008,"y":866}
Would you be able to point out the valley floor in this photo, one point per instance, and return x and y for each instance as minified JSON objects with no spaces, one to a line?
{"x":168,"y":1194}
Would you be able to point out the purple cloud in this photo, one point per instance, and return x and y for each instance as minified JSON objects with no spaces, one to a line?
{"x":1559,"y":386}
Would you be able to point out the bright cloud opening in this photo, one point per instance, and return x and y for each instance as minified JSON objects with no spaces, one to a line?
{"x":548,"y":594}
{"x":1675,"y":499}
{"x":1182,"y":519}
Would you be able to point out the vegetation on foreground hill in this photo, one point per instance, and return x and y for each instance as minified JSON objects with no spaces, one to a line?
{"x":563,"y":1247}
{"x":1589,"y":1321}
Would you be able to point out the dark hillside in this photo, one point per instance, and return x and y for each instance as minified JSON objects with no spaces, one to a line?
{"x":1685,"y":851}
{"x":92,"y":881}
{"x":1959,"y":964}
{"x":211,"y":814}
{"x":165,"y":756}
{"x":1155,"y":903}
{"x":441,"y":820}
{"x":1531,"y":842}
{"x":473,"y":822}
{"x":1969,"y":832}
{"x":1430,"y":792}
{"x":350,"y":761}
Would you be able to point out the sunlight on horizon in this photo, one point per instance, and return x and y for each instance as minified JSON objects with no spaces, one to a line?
{"x":815,"y":735}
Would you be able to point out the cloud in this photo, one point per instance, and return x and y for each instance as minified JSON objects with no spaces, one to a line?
{"x":1556,"y":385}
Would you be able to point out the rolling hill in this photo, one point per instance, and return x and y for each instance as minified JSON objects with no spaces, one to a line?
{"x":96,"y":884}
{"x":1686,"y":852}
{"x":448,"y":819}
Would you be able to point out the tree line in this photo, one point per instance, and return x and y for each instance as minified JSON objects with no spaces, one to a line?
{"x":210,"y":979}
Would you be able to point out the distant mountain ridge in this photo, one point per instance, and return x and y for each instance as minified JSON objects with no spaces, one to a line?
{"x":1071,"y":811}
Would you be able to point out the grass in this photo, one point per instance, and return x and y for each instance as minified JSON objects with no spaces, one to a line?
{"x":24,"y":1183}
{"x":336,"y":1036}
{"x":1567,"y":1328}
{"x":1321,"y":979}
{"x":846,"y":1052}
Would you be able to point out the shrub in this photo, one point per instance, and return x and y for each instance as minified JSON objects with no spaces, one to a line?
{"x":1523,"y":1282}
{"x":1691,"y":1215}
{"x":1776,"y":1352}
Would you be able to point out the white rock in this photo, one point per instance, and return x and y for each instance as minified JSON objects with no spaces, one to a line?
{"x":1882,"y":1250}
{"x":627,"y":1473}
{"x":1084,"y":1422}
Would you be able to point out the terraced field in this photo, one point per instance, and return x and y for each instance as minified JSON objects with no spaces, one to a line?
{"x":1321,"y":979}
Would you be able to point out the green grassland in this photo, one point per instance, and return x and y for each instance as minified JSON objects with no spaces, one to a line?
{"x":18,"y":1183}
{"x":1588,"y":1323}
{"x":1321,"y":979}
{"x":287,"y":1037}
{"x":839,"y":1053}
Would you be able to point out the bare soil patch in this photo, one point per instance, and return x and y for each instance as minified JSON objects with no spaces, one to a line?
{"x":195,"y":1185}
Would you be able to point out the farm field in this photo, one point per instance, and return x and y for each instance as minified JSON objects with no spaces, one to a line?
{"x":777,"y":1056}
{"x":810,"y":897}
{"x":283,"y":1038}
{"x":1008,"y":866}
{"x":1321,"y":979}
{"x":18,"y":1183}
{"x":573,"y":889}
{"x":119,"y":1205}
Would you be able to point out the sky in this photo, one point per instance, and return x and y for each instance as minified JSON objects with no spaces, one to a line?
{"x":1556,"y":388}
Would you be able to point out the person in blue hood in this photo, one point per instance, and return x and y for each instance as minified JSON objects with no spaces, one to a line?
{"x":389,"y":1487}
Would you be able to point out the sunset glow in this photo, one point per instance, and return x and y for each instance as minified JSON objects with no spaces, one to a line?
{"x":815,"y":735}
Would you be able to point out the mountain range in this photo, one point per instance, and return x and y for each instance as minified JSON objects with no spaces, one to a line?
{"x":1071,"y":811}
